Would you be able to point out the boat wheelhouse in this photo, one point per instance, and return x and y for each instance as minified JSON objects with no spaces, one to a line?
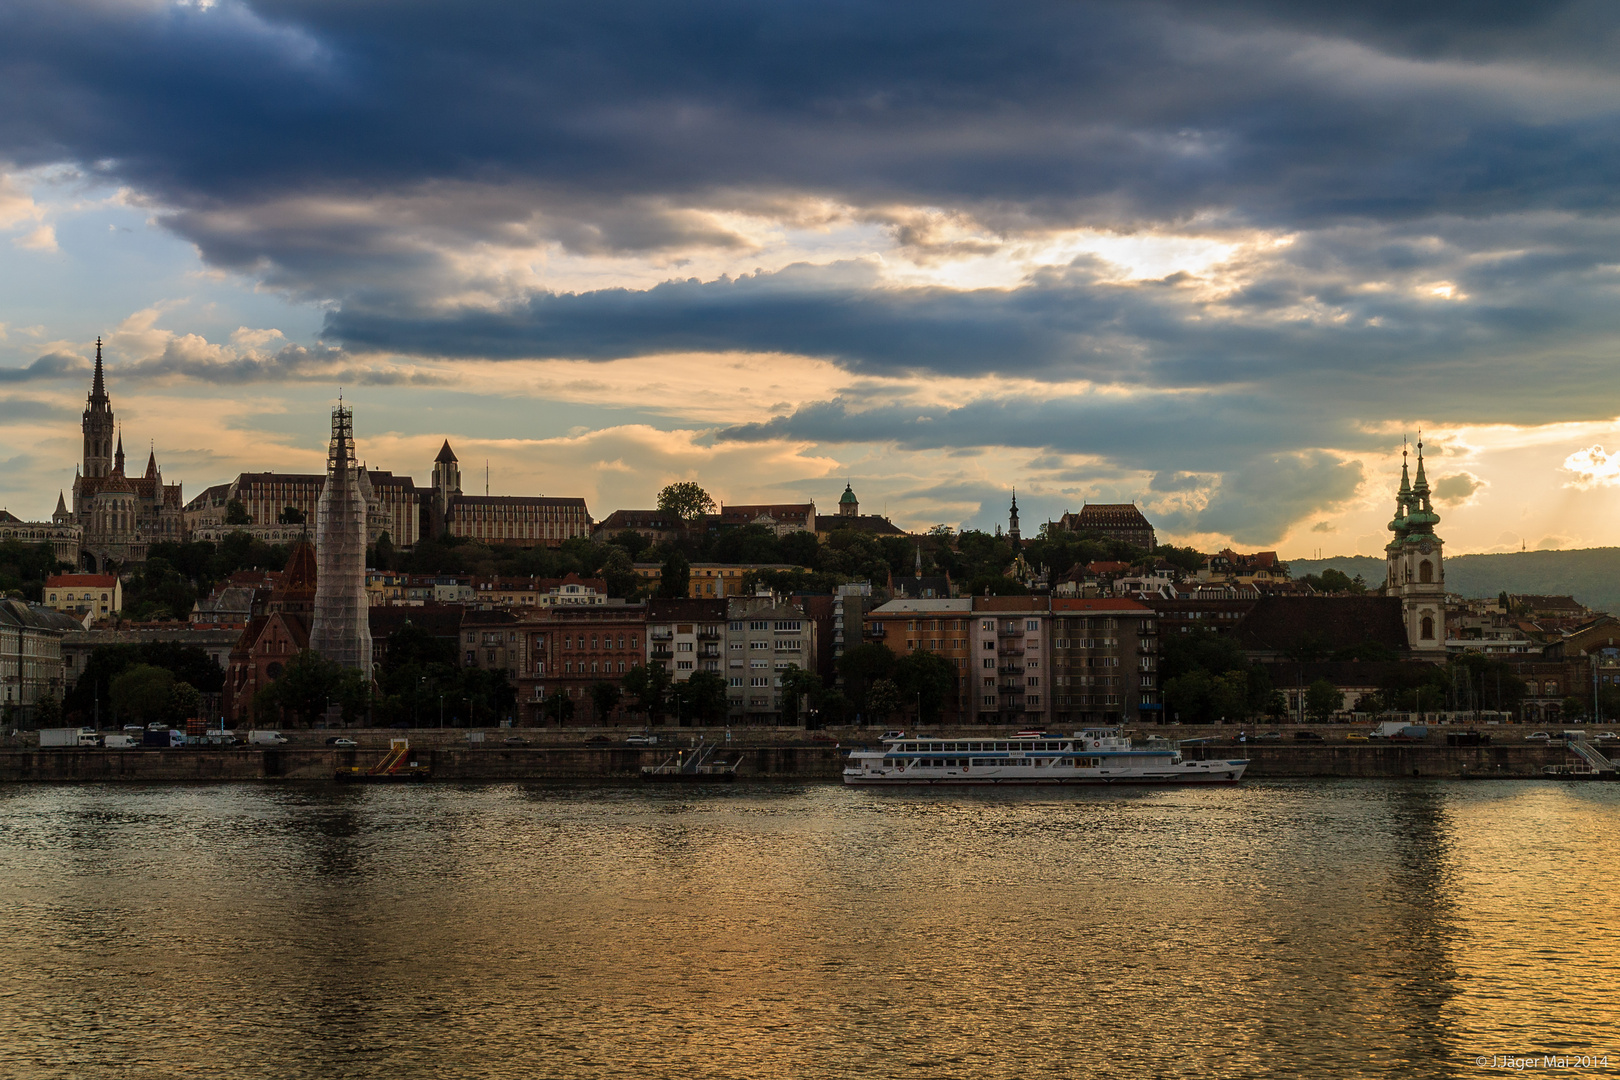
{"x":1092,"y":756}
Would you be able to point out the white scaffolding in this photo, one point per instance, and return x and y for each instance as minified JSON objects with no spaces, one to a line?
{"x":341,"y":630}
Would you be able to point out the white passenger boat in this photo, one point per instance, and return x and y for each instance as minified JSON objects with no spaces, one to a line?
{"x":1093,"y":756}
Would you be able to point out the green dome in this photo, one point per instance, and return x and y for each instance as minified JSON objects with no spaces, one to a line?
{"x":848,"y":496}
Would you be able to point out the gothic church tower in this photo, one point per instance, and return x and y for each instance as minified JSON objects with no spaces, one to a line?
{"x":98,"y":426}
{"x":1415,"y":572}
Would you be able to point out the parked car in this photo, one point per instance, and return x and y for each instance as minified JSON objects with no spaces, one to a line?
{"x":516,"y":740}
{"x":1308,"y":736}
{"x":598,"y":740}
{"x":338,"y":740}
{"x":1269,"y":736}
{"x":1605,"y":736}
{"x":1538,"y":736}
{"x":1357,"y":736}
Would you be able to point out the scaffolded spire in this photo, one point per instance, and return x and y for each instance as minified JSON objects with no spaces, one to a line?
{"x":340,"y":629}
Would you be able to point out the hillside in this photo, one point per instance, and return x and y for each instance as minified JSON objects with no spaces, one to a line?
{"x":1590,"y":575}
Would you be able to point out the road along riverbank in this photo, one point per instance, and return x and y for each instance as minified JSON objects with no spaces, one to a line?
{"x":781,"y":761}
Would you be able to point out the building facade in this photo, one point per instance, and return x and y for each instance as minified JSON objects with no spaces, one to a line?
{"x":1105,"y":661}
{"x":764,"y":637}
{"x":99,"y":595}
{"x":564,"y":650}
{"x":686,"y":636}
{"x":31,"y":657}
{"x":1011,"y":649}
{"x":1117,"y":521}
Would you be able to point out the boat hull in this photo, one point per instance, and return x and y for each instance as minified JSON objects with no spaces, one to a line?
{"x":1223,"y":776}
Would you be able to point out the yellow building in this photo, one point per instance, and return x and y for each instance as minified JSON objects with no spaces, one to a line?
{"x":710,"y":581}
{"x":76,"y":594}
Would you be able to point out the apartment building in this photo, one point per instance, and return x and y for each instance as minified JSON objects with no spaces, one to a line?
{"x":564,"y":650}
{"x":686,"y":636}
{"x":1105,"y":662}
{"x":1011,"y":668}
{"x":764,"y":637}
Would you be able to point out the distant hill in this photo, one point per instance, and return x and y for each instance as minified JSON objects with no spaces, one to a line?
{"x":1590,"y":575}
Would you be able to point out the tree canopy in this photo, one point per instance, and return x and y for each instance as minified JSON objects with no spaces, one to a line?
{"x":685,"y":500}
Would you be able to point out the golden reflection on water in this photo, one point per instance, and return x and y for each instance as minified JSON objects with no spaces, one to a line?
{"x":1334,"y":929}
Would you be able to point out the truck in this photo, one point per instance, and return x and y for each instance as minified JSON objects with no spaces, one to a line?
{"x":266,"y":738}
{"x":162,"y":737}
{"x":68,"y":736}
{"x":121,"y":742}
{"x":1400,"y":731}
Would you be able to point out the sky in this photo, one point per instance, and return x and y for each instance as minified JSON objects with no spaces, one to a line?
{"x":1222,"y":259}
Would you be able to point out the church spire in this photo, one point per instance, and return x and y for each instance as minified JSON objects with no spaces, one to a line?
{"x":151,"y":463}
{"x":98,"y":386}
{"x":1012,"y":521}
{"x":1422,"y":485}
{"x":118,"y":455}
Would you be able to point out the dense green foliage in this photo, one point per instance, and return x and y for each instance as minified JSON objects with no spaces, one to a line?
{"x":420,"y":683}
{"x":185,"y":664}
{"x":1208,"y":680}
{"x":307,"y":687}
{"x":24,"y":568}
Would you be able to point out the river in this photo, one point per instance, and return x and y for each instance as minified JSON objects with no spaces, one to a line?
{"x":1330,"y":928}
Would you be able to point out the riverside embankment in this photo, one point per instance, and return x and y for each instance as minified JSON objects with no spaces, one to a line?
{"x":779,"y":754}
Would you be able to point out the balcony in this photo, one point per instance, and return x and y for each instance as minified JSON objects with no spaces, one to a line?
{"x":709,"y":635}
{"x":1010,"y":669}
{"x":1010,"y":650}
{"x":1005,"y":632}
{"x":661,"y":635}
{"x":876,"y":631}
{"x":663,"y":654}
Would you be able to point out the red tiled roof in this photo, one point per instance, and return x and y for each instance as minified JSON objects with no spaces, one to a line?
{"x":81,"y":581}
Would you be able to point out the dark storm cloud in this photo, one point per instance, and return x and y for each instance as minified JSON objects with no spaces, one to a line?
{"x":50,"y":366}
{"x":1029,"y":113}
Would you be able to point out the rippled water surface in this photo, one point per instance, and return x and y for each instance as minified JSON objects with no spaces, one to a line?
{"x":1314,"y":929}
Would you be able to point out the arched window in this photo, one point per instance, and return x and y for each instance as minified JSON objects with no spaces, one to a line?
{"x":1425,"y":571}
{"x":1428,"y":626}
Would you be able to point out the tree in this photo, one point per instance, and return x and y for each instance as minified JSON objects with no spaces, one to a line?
{"x":882,"y":698}
{"x":702,"y":697}
{"x":799,"y":687}
{"x":309,"y":683}
{"x":604,"y":696}
{"x":143,"y":693}
{"x":236,"y":513}
{"x":48,"y":711}
{"x":927,"y":679}
{"x":1322,"y":700}
{"x":620,"y":573}
{"x":558,"y":707}
{"x":861,"y":666}
{"x":676,"y":580}
{"x":1199,"y":697}
{"x":291,"y":515}
{"x":685,"y":500}
{"x":649,"y":685}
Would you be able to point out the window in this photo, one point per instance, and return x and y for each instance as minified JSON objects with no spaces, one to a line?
{"x":990,"y":646}
{"x":735,"y":680}
{"x":988,"y":624}
{"x":737,"y":626}
{"x":1428,"y":625}
{"x":1426,"y":572}
{"x":683,"y":646}
{"x":759,"y":626}
{"x":755,"y":645}
{"x":989,"y":662}
{"x":759,"y":680}
{"x":1033,"y":680}
{"x":683,"y":665}
{"x":1032,"y":624}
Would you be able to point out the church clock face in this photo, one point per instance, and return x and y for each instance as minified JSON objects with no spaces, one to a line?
{"x":1425,"y":547}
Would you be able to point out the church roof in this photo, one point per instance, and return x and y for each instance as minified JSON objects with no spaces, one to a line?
{"x":299,"y":576}
{"x":151,"y":465}
{"x":61,"y":502}
{"x":446,"y":455}
{"x":848,"y":496}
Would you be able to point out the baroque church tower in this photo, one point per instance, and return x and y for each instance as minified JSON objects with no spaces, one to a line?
{"x":1415,"y":572}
